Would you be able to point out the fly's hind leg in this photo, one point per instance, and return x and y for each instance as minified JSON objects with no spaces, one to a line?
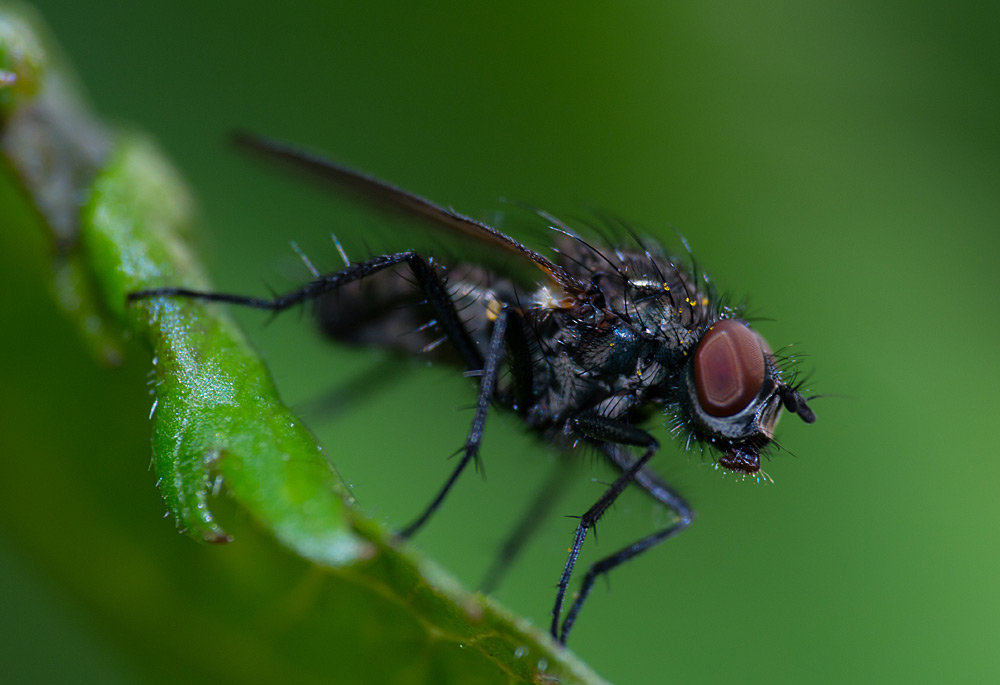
{"x":427,"y":278}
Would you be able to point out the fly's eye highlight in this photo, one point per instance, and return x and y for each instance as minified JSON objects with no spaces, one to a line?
{"x":728,"y":368}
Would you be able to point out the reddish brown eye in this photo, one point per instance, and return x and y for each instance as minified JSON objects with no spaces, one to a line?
{"x":728,"y":368}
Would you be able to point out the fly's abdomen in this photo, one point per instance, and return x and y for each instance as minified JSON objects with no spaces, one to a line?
{"x":387,"y":309}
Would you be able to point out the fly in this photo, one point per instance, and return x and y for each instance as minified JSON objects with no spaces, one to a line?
{"x":605,"y":335}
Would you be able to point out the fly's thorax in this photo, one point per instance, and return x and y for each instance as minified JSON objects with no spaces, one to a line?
{"x":625,"y":341}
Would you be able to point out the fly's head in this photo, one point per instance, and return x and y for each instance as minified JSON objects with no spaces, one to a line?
{"x":662,"y":335}
{"x":732,"y":394}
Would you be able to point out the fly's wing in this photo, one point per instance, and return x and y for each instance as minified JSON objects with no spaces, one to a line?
{"x":386,"y":196}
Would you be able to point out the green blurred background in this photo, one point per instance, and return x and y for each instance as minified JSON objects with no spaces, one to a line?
{"x":835,"y":162}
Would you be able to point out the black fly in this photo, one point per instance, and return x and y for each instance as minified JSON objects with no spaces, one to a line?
{"x":608,"y":333}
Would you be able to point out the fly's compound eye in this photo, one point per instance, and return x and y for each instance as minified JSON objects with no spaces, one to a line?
{"x":728,"y":368}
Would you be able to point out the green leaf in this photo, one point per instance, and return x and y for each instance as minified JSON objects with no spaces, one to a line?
{"x":221,"y":435}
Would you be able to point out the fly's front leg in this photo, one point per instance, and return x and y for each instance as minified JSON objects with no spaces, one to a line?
{"x":427,"y":278}
{"x":659,"y":491}
{"x":650,"y":482}
{"x":602,"y":430}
